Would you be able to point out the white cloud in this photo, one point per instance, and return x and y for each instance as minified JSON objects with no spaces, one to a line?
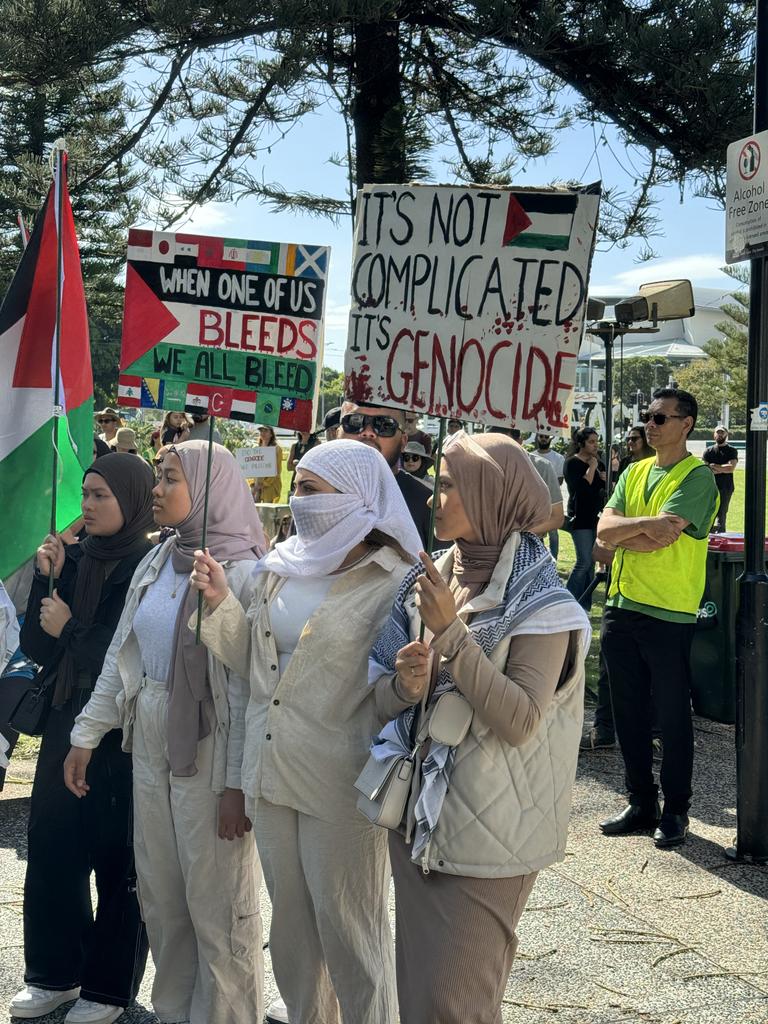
{"x":703,"y":269}
{"x":208,"y":219}
{"x":336,"y":316}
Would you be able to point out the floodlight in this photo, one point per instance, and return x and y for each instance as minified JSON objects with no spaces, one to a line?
{"x":595,"y":309}
{"x":659,"y":300}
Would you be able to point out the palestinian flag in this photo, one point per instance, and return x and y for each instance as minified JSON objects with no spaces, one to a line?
{"x":29,"y":424}
{"x":540,"y":220}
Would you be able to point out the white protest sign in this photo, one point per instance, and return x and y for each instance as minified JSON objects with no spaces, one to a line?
{"x":746,"y":200}
{"x":469,"y":301}
{"x":257,"y":461}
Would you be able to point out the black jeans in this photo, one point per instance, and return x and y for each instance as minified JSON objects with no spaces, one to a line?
{"x":64,"y":945}
{"x":725,"y":499}
{"x":648,"y":662}
{"x":603,"y":720}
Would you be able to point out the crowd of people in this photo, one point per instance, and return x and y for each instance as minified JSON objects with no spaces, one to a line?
{"x":201,"y":699}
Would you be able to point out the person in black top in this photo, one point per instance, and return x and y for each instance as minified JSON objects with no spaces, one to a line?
{"x":67,"y":952}
{"x":637,"y":448}
{"x":584,"y":476}
{"x":304,"y":442}
{"x":384,"y":429}
{"x":722,"y":459}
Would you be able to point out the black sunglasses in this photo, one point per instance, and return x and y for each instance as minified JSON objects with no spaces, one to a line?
{"x":659,"y":418}
{"x":106,"y":419}
{"x":632,"y":438}
{"x":383,"y":426}
{"x":410,"y":457}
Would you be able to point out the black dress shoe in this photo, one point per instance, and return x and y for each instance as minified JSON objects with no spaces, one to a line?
{"x":633,"y":818}
{"x":672,"y":830}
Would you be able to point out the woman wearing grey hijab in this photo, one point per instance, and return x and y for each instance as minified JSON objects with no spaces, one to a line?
{"x":182,"y":713}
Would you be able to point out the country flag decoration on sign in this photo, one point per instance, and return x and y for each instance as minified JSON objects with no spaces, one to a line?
{"x":540,"y":220}
{"x":150,"y":393}
{"x":266,"y":407}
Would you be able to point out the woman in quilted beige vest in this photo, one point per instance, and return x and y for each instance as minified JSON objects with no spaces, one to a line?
{"x":500,"y":680}
{"x":321,"y":597}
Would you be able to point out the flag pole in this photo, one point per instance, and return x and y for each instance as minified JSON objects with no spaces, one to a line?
{"x":58,"y":159}
{"x":22,"y":229}
{"x":435,"y":498}
{"x":205,"y":520}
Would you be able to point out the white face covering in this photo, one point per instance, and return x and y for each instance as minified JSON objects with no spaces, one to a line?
{"x":328,"y":526}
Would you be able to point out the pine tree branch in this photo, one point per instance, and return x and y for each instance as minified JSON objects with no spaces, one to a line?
{"x":208,"y":186}
{"x":116,"y":155}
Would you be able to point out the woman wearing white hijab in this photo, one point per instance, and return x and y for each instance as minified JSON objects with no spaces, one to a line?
{"x":323,"y":596}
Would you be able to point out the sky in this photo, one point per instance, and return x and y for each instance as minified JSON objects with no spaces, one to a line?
{"x":690,"y":243}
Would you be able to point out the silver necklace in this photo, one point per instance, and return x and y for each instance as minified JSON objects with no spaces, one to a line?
{"x":179,"y":578}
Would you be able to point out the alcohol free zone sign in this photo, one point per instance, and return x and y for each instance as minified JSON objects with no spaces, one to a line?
{"x":746,"y":212}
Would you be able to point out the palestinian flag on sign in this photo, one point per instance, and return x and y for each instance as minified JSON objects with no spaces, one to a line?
{"x":29,"y":425}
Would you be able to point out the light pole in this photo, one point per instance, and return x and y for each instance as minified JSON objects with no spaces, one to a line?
{"x":752,"y":622}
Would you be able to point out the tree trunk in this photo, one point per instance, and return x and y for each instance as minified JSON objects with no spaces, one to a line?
{"x":377,"y":106}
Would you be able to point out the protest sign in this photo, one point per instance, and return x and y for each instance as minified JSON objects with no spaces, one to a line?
{"x":223,"y":326}
{"x":469,"y":302}
{"x":257,"y":461}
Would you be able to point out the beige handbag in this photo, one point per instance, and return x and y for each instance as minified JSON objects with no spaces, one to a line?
{"x":450,"y":719}
{"x":384,"y":786}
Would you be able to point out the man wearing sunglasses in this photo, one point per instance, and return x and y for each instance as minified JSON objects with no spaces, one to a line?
{"x":722,"y":459}
{"x":109,"y":421}
{"x":385,"y":430}
{"x":657,"y":522}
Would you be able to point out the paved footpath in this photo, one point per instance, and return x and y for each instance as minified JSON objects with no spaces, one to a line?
{"x":619,"y":932}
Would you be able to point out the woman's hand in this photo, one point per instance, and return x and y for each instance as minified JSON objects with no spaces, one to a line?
{"x":54,"y":614}
{"x":233,"y":821}
{"x":434,"y":598}
{"x":75,"y":765}
{"x":209,"y":578}
{"x":412,"y":667}
{"x":51,"y":552}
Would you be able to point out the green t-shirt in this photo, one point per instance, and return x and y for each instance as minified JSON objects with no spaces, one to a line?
{"x":694,"y":500}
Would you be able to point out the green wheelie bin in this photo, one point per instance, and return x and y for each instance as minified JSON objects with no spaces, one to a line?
{"x":713,"y":653}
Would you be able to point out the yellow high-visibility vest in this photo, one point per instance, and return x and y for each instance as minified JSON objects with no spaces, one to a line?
{"x":673,"y":577}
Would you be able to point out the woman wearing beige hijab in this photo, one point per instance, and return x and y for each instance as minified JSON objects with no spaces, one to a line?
{"x":503,"y":653}
{"x":183,"y":716}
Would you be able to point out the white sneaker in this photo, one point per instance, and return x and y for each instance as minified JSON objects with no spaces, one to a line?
{"x":34,"y":1002}
{"x":85,"y":1011}
{"x":277,"y":1013}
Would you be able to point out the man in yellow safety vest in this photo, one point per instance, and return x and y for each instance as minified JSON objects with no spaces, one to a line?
{"x":657,"y":521}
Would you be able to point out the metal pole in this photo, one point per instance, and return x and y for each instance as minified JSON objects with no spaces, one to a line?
{"x":752,"y":621}
{"x":204,"y":539}
{"x":608,"y":333}
{"x":58,"y":218}
{"x":435,"y":497}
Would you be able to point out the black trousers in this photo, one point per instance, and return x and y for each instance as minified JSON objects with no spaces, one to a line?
{"x":648,"y":662}
{"x":64,"y":944}
{"x":726,"y":493}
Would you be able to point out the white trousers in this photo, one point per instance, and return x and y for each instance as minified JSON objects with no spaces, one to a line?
{"x":330,"y":940}
{"x":199,"y":894}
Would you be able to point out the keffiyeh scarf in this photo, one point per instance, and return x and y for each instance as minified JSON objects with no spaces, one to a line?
{"x":535,"y":602}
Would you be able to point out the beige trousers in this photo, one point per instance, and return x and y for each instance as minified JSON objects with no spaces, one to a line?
{"x":199,"y":894}
{"x":330,"y":940}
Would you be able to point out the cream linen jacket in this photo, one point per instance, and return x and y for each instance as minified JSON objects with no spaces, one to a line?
{"x":307,"y":732}
{"x":113,"y":702}
{"x":507,"y":807}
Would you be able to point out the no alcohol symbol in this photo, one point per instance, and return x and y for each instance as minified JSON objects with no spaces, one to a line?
{"x":749,"y":160}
